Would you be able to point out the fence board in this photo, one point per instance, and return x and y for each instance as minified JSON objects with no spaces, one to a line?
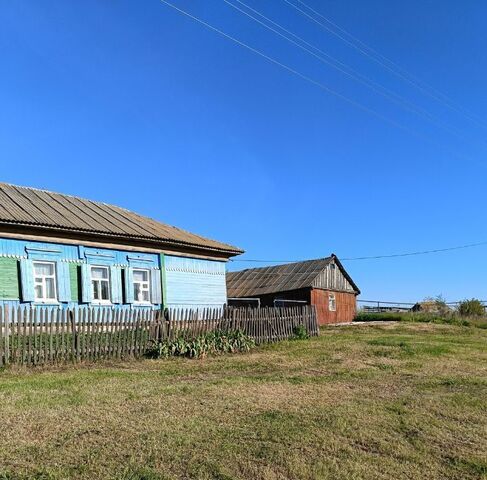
{"x":36,"y":335}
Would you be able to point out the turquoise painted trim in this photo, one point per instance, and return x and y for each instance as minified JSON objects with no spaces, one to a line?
{"x":129,"y":285}
{"x":27,"y":280}
{"x":64,"y":281}
{"x":162,"y":263}
{"x":76,"y":253}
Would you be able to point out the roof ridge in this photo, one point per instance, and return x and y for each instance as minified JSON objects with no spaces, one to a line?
{"x":287,"y":263}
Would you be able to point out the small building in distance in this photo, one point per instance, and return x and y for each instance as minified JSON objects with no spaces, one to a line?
{"x":323,"y":283}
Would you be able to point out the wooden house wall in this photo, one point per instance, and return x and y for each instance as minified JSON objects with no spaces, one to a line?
{"x":331,"y":278}
{"x":346,"y":306}
{"x":192,"y":282}
{"x":69,"y":260}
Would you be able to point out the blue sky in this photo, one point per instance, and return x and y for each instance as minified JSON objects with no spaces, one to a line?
{"x":134,"y":104}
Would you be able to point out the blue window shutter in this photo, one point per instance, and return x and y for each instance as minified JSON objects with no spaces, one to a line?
{"x":63,"y":281}
{"x":27,"y":280}
{"x":86,"y":288}
{"x":116,"y":284}
{"x":129,"y":285}
{"x":156,"y":288}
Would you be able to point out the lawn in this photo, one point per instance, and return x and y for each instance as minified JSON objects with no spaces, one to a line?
{"x":401,"y":401}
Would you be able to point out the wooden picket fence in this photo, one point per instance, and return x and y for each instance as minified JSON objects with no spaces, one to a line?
{"x":44,"y":335}
{"x":262,"y":324}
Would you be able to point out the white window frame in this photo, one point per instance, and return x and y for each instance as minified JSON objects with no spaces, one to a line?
{"x":332,"y":302}
{"x":42,"y":282}
{"x":146,"y":288}
{"x":99,"y":280}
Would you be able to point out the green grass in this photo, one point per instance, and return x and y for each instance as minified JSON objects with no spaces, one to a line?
{"x":402,"y":401}
{"x":449,"y":319}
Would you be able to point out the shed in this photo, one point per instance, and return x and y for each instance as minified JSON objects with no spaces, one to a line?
{"x":323,"y":283}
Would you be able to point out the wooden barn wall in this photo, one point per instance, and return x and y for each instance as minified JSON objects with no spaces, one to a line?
{"x":267,"y":300}
{"x":346,"y":306}
{"x":332,"y":279}
{"x":192,"y":282}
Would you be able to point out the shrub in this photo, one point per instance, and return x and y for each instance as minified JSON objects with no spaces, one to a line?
{"x":471,"y":308}
{"x":300,"y":333}
{"x":216,"y":342}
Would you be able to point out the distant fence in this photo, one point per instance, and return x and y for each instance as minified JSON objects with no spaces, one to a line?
{"x":40,"y":335}
{"x":380,"y":306}
{"x":376,"y":306}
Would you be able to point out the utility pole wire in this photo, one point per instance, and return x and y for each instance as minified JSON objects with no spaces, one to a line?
{"x":374,"y":257}
{"x":311,"y":80}
{"x":396,"y":69}
{"x":349,"y":71}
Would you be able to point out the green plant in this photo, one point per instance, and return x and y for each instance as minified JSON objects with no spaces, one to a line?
{"x":471,"y":308}
{"x":199,"y":346}
{"x":300,"y":332}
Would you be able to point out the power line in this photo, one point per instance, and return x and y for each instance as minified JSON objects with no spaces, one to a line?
{"x":395,"y":69}
{"x":311,"y":80}
{"x":374,"y":257}
{"x":333,"y":62}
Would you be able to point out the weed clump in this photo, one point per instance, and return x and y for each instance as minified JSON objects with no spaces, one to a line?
{"x":300,"y":333}
{"x":211,"y":343}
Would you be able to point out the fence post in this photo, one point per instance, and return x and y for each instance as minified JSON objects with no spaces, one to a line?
{"x":74,"y":334}
{"x":7,"y":335}
{"x":3,"y":314}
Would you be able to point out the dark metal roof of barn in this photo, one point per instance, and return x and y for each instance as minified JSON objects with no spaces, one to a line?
{"x":48,"y":211}
{"x":280,"y":278}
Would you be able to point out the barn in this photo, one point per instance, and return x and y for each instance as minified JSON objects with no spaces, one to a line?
{"x":322,"y":282}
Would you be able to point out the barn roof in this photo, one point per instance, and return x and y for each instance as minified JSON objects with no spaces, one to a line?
{"x":280,"y":278}
{"x":44,"y":210}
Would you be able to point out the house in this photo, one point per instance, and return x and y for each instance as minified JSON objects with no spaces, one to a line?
{"x":322,"y":282}
{"x":62,"y":250}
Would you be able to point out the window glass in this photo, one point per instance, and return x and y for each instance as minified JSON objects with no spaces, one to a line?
{"x":141,"y":275}
{"x":100,"y":281}
{"x":45,"y":282}
{"x":43,"y":269}
{"x":141,"y":286}
{"x":331,"y":302}
{"x":99,"y":272}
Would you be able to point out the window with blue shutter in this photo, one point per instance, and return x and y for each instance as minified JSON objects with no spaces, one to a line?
{"x":116,"y":284}
{"x":156,"y":287}
{"x":86,"y":290}
{"x":64,"y":281}
{"x":27,"y":280}
{"x":129,"y":285}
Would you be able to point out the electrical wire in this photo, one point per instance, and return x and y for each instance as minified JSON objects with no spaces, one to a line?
{"x":311,"y":80}
{"x":373,"y":257}
{"x":333,"y":62}
{"x":395,"y":69}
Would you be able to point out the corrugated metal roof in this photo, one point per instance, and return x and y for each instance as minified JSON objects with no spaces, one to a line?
{"x":31,"y":207}
{"x":279,"y":278}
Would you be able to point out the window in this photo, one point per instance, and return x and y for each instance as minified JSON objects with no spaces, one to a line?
{"x":141,"y":286}
{"x":332,"y":305}
{"x":45,"y":282}
{"x":100,"y":281}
